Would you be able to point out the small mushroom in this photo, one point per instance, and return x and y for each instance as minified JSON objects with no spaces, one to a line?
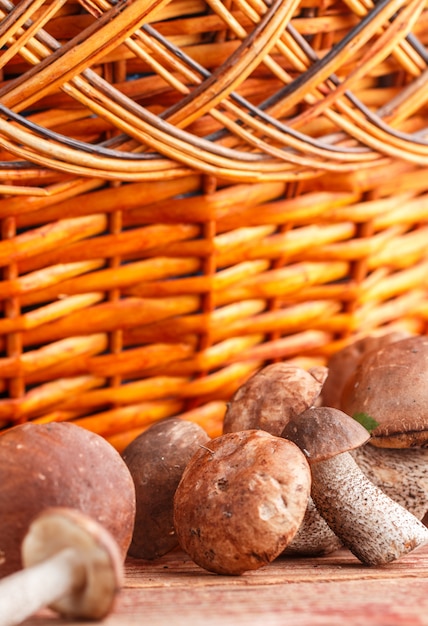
{"x":60,"y":464}
{"x":271,"y":396}
{"x":390,"y":386}
{"x":267,"y":400}
{"x":72,"y":564}
{"x":156,"y":460}
{"x":343,"y":363}
{"x":402,"y":473}
{"x":376,"y":529}
{"x":241,"y":500}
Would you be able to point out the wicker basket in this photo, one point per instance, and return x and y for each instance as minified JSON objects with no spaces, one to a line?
{"x":193,"y":188}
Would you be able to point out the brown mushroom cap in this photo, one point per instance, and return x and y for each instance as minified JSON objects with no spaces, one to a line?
{"x":60,"y":464}
{"x":324,"y":432}
{"x":156,"y":460}
{"x":342,"y":364}
{"x":271,"y":396}
{"x":241,"y":500}
{"x":390,"y":385}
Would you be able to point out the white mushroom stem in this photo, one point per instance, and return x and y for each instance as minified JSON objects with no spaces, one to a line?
{"x":402,"y":473}
{"x":314,"y":537}
{"x":72,"y":564}
{"x":376,"y":529}
{"x":29,"y":590}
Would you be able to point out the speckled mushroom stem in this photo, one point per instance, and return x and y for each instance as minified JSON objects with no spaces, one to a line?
{"x":314,"y":537}
{"x":376,"y":529}
{"x":27,"y":591}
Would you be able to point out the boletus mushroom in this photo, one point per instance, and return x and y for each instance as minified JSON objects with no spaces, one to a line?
{"x":267,"y":400}
{"x":390,"y":386}
{"x":402,"y":473}
{"x":241,"y":500}
{"x":60,"y":464}
{"x":343,"y":363}
{"x":376,"y":529}
{"x":271,"y":396}
{"x":156,"y":460}
{"x":72,"y":564}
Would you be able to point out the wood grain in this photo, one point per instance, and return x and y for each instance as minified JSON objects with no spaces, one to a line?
{"x":326,"y":591}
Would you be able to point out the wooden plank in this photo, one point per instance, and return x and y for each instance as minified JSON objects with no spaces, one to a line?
{"x":334,"y":590}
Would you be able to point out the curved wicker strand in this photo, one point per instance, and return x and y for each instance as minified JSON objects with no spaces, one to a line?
{"x":17,"y":21}
{"x":380,"y":49}
{"x":196,"y":152}
{"x":90,"y":46}
{"x":320,"y":71}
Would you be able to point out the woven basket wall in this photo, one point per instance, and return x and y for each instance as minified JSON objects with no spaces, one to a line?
{"x":193,"y":188}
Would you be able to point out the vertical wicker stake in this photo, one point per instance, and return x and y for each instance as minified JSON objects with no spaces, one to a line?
{"x":12,"y":310}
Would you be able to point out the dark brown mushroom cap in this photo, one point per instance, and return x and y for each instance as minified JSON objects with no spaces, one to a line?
{"x":270,"y":397}
{"x":391,"y":386}
{"x":324,"y":432}
{"x":343,"y":363}
{"x":156,"y":460}
{"x":60,"y":464}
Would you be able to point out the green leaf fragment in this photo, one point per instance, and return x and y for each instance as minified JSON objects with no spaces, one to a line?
{"x":366,"y":420}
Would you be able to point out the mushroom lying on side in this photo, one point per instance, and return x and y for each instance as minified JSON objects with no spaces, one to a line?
{"x":401,"y":473}
{"x":390,"y":387}
{"x":73,"y":565}
{"x":60,"y":464}
{"x":156,"y":460}
{"x":375,"y":528}
{"x":241,"y":500}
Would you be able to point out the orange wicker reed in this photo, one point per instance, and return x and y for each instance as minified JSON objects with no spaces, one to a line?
{"x":191,"y":189}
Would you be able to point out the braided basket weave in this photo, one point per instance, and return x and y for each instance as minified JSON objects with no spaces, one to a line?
{"x":193,"y":188}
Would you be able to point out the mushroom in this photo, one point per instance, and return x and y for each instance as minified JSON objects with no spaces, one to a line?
{"x":343,"y":363}
{"x":267,"y":400}
{"x":390,"y":386}
{"x":375,"y":528}
{"x":72,"y":564}
{"x":314,"y":537}
{"x":156,"y":460}
{"x":401,"y":473}
{"x":241,"y":500}
{"x":271,"y":396}
{"x":60,"y":464}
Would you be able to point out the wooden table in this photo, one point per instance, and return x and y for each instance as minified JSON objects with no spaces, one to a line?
{"x":326,"y":591}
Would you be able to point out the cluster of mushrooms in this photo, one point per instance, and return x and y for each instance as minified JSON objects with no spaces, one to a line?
{"x":309,"y":461}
